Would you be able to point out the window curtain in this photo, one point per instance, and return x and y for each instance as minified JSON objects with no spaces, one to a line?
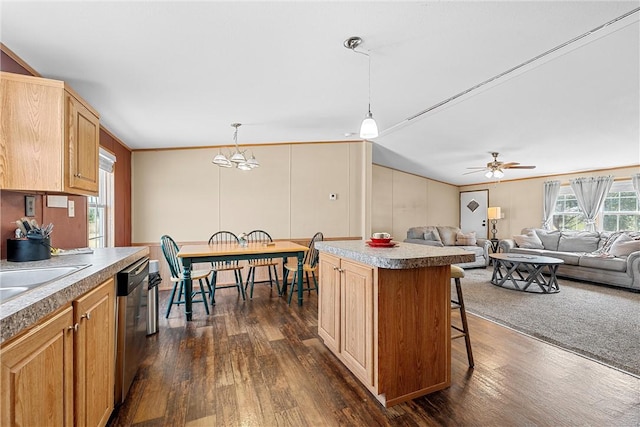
{"x":590,"y":194}
{"x":635,"y":179}
{"x":551,"y":190}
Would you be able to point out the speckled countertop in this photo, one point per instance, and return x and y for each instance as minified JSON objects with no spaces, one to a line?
{"x":404,"y":255}
{"x":23,"y":311}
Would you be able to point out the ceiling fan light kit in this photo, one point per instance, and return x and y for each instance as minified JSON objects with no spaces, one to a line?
{"x":237,"y":158}
{"x":369,"y":127}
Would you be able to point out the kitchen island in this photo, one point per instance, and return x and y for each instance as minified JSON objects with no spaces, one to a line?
{"x":386,"y":314}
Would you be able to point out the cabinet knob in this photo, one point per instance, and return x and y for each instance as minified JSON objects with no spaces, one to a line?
{"x":87,"y":316}
{"x":74,"y":327}
{"x":78,"y":175}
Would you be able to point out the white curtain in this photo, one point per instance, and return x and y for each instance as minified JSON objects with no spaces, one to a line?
{"x":635,"y":179}
{"x":551,"y":190}
{"x":590,"y":194}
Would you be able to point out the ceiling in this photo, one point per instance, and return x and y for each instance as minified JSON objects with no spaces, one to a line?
{"x":173,"y":74}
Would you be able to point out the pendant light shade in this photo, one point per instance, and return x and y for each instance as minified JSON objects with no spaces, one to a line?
{"x":369,"y":127}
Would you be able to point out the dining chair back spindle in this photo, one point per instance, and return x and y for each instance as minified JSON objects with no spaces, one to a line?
{"x":222,"y":238}
{"x":261,"y":236}
{"x":310,"y":265}
{"x":170,"y":250}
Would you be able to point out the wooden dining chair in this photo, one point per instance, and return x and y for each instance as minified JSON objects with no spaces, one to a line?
{"x":226,"y":237}
{"x":261,"y":236}
{"x":170,"y":250}
{"x":310,"y":265}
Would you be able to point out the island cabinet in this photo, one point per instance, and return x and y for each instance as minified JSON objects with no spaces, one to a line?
{"x":61,"y":371}
{"x":386,"y":315}
{"x":49,"y":137}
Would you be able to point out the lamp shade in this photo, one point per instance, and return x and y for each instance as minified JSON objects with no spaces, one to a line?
{"x":494,"y":213}
{"x":369,"y":127}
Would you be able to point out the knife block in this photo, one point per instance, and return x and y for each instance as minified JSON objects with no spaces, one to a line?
{"x":21,"y":250}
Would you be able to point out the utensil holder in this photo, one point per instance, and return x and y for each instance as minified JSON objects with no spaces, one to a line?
{"x":28,"y":249}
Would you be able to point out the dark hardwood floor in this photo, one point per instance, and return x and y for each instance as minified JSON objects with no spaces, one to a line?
{"x":261,"y":363}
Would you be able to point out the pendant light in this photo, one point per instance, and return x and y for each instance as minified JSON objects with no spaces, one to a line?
{"x":237,"y":158}
{"x":369,"y":127}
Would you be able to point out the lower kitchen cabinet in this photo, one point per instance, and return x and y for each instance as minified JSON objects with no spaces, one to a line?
{"x":94,"y":355}
{"x":37,"y":375}
{"x":61,"y":372}
{"x":345,"y":314}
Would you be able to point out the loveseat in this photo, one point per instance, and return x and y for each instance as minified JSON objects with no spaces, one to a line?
{"x":442,"y":235}
{"x":604,"y":257}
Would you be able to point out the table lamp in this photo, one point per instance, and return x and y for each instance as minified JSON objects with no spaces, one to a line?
{"x":494,"y":214}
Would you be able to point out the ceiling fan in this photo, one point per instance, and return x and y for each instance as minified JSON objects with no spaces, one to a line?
{"x":495,"y":169}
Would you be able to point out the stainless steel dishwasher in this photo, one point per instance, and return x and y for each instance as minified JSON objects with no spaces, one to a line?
{"x":131,"y":328}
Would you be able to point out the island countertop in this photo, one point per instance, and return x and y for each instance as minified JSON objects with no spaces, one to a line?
{"x":25,"y":310}
{"x":402,"y":256}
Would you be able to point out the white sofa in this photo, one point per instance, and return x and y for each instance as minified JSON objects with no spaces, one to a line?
{"x":586,"y":255}
{"x":442,"y":235}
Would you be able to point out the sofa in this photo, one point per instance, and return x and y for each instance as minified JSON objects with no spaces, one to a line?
{"x":599,"y":257}
{"x":443,"y":235}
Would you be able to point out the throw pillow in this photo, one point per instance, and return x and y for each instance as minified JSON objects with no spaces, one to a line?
{"x":578,"y":241}
{"x":466,"y":239}
{"x":447,"y":234}
{"x":624,"y":246}
{"x":549,"y":239}
{"x":432,"y":234}
{"x":529,"y":241}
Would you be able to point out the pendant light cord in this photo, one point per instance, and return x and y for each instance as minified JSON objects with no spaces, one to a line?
{"x":369,"y":59}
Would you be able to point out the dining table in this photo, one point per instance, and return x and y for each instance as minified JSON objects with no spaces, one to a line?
{"x":216,"y":252}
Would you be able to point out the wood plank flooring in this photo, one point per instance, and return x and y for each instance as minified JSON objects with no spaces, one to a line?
{"x":261,"y":363}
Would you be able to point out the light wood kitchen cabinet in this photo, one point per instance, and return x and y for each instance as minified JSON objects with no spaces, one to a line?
{"x":49,"y":137}
{"x":61,"y":372}
{"x":389,"y":327}
{"x":94,"y":355}
{"x":345,"y":314}
{"x":37,"y":375}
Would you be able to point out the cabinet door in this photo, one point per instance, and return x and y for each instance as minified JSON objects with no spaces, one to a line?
{"x":94,"y":355}
{"x":37,"y":375}
{"x":356,"y":341}
{"x":83,"y":133}
{"x":329,"y":302}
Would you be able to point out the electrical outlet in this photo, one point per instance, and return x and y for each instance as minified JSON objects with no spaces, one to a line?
{"x":72,"y":209}
{"x":333,"y":196}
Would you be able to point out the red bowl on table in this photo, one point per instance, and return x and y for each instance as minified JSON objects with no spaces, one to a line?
{"x":381,"y":240}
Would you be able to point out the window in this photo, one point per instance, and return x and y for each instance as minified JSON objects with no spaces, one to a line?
{"x":101,"y":228}
{"x":621,"y":210}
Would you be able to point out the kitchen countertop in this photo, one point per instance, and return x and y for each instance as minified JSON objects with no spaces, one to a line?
{"x":25,"y":310}
{"x":403,"y":256}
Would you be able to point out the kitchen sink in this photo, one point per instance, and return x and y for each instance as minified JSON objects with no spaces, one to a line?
{"x":16,"y":282}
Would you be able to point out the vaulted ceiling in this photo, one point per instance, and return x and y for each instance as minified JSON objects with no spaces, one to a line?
{"x":172,"y":74}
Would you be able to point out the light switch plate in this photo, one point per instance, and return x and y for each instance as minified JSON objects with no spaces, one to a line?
{"x":72,"y":208}
{"x":29,"y":205}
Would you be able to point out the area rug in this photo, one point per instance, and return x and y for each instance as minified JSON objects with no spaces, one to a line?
{"x":598,"y":322}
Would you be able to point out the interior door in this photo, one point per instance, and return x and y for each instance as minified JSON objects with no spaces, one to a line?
{"x":473,"y":212}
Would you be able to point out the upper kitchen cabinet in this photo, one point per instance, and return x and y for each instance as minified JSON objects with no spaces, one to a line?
{"x":49,"y":138}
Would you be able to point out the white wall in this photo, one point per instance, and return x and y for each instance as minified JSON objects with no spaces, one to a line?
{"x":521,"y":200}
{"x":181,"y":193}
{"x":401,"y":200}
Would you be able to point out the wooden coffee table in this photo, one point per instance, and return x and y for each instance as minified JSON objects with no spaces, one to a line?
{"x":508,"y":270}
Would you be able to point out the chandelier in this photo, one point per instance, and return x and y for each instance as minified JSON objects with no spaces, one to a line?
{"x":238,"y":158}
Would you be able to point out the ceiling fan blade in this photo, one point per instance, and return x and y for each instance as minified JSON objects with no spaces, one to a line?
{"x":522,"y":167}
{"x":479,"y":167}
{"x":509,"y":164}
{"x":467,"y":173}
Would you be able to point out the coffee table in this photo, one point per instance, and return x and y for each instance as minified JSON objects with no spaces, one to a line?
{"x":508,"y":270}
